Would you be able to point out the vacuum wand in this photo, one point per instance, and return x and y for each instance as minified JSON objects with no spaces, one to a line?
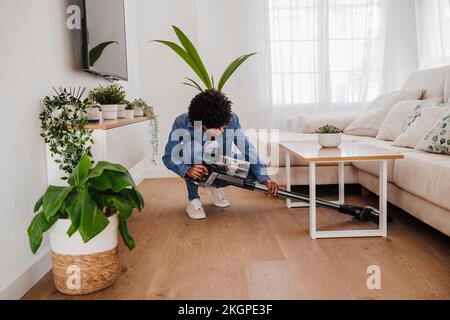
{"x":235,"y":173}
{"x":361,"y":213}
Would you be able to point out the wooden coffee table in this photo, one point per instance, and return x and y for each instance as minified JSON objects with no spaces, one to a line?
{"x":348,"y":151}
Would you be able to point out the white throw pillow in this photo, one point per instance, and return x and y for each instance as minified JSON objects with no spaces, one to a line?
{"x":437,"y":140}
{"x":417,"y":113}
{"x":369,"y":123}
{"x":392,"y":124}
{"x":420,"y":127}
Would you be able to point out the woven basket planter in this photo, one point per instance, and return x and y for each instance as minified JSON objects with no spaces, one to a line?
{"x":83,"y":268}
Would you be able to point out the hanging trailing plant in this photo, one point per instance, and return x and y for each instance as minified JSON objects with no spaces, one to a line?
{"x":149,"y":112}
{"x":63,"y":122}
{"x":154,"y":131}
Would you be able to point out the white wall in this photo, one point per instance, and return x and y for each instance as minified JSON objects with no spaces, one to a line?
{"x":227,"y":30}
{"x":37,"y":53}
{"x":161,"y":71}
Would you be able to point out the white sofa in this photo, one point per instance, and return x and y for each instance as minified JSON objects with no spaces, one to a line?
{"x":419,"y":184}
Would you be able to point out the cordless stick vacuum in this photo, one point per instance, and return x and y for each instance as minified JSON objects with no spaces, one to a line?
{"x":235,"y":173}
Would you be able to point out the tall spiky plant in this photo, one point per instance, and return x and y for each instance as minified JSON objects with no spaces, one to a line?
{"x":190,"y":55}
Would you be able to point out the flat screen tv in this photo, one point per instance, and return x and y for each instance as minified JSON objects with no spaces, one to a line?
{"x":104,"y":38}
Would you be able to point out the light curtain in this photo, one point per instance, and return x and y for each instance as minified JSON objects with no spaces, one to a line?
{"x":433,"y":30}
{"x":323,"y":55}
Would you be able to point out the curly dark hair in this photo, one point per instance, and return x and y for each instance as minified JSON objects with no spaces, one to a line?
{"x":211,"y":107}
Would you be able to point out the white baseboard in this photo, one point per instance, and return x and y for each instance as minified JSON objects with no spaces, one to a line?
{"x":19,"y":287}
{"x":138,"y":172}
{"x":158,"y":172}
{"x":146,"y":169}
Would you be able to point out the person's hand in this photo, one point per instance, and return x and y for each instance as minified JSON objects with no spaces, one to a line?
{"x":197,"y":172}
{"x":272,"y":188}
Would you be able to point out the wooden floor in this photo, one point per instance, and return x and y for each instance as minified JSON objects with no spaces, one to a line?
{"x":258,"y":249}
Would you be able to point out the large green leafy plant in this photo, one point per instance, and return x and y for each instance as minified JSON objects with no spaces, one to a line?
{"x":190,"y":55}
{"x":63,"y":122}
{"x":92,"y":196}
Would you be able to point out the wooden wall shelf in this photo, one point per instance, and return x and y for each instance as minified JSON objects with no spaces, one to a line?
{"x":111,"y":124}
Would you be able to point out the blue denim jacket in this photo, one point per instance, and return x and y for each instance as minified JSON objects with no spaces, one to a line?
{"x":236,"y":137}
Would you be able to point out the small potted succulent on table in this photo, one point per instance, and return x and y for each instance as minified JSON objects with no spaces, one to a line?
{"x":329,"y":136}
{"x":110,"y":99}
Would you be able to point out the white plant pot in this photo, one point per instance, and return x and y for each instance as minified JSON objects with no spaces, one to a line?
{"x":93,"y":114}
{"x":138,"y":112}
{"x":57,"y":113}
{"x":129,"y":114}
{"x":109,"y":115}
{"x":332,"y":140}
{"x":121,"y":114}
{"x":61,"y":243}
{"x":110,"y":107}
{"x":83,"y":268}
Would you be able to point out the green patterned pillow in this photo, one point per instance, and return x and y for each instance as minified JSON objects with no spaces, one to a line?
{"x":417,"y":113}
{"x":438,"y":139}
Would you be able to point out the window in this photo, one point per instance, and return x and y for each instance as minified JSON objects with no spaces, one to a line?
{"x":325,"y":51}
{"x":433,"y":26}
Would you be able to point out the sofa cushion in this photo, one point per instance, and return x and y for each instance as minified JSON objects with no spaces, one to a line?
{"x":368,"y":123}
{"x":432,"y":80}
{"x":420,"y":126}
{"x":437,"y":140}
{"x":372,"y":167}
{"x":392,"y":124}
{"x":310,"y":122}
{"x":425,"y":175}
{"x":418,"y":111}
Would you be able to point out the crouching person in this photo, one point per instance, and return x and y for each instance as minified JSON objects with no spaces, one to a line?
{"x":208,"y":129}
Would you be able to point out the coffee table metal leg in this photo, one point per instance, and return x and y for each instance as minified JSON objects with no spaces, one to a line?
{"x":341,"y":182}
{"x":289,"y":203}
{"x":382,"y":228}
{"x":312,"y":200}
{"x":288,"y":175}
{"x":383,"y":197}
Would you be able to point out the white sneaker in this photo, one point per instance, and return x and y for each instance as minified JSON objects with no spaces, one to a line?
{"x":195,"y":210}
{"x":218,"y":197}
